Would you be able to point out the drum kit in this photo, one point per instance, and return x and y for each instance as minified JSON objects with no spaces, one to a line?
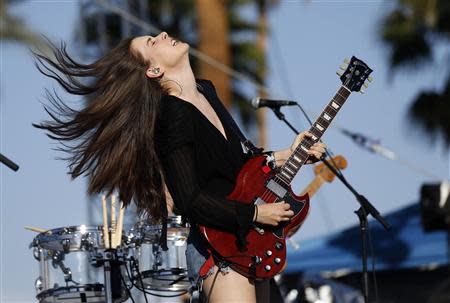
{"x":75,"y":265}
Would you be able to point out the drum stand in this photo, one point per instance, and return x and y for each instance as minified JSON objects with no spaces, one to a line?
{"x":110,"y":260}
{"x":108,"y":256}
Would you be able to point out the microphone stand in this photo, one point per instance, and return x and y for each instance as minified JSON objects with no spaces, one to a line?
{"x":365,"y":209}
{"x":8,"y":163}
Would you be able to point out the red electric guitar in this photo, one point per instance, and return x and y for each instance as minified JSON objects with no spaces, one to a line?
{"x":265,"y":254}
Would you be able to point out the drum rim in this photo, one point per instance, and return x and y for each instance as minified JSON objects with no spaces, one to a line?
{"x":51,"y":291}
{"x":174,"y":288}
{"x":66,"y":232}
{"x":173,"y":221}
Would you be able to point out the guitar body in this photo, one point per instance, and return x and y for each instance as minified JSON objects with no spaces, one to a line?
{"x":265,"y":253}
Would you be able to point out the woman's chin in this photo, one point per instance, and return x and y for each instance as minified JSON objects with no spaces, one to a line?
{"x":185,"y":47}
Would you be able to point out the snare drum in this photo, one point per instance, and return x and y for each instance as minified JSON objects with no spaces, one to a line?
{"x":163,"y":271}
{"x":67,"y":268}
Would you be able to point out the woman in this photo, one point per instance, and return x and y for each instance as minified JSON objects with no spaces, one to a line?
{"x":150,"y":122}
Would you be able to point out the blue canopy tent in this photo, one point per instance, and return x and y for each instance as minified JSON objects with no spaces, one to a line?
{"x":406,"y":245}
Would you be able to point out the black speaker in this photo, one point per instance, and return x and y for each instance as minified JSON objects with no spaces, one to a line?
{"x":434,"y":210}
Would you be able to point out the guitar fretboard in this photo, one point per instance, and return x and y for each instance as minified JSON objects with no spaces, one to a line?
{"x":292,"y":165}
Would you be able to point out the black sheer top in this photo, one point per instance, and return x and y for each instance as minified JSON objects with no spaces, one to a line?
{"x":200,"y":165}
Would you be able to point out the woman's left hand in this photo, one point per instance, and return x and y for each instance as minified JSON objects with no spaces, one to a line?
{"x":316,"y":151}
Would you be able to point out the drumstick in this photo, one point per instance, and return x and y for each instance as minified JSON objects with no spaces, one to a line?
{"x":105,"y":223}
{"x":119,"y":226}
{"x":113,"y":222}
{"x":38,"y":230}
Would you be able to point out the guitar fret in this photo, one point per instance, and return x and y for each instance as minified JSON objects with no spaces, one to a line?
{"x":339,"y":100}
{"x":339,"y":96}
{"x":287,"y":176}
{"x":324,"y":123}
{"x":346,"y":89}
{"x":291,"y":163}
{"x":319,"y":127}
{"x":297,"y":159}
{"x":331,"y":111}
{"x":344,"y":92}
{"x":289,"y":171}
{"x":335,"y":105}
{"x":282,"y":179}
{"x":304,"y":148}
{"x":315,"y":131}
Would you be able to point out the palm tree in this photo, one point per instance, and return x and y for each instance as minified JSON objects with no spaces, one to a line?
{"x":13,"y":29}
{"x":262,"y":7}
{"x":411,"y":31}
{"x":213,"y":33}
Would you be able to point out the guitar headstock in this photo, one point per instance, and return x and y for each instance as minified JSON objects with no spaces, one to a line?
{"x":354,"y":75}
{"x":326,"y":174}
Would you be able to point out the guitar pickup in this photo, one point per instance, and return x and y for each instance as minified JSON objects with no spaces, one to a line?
{"x":276,"y":188}
{"x":259,"y":201}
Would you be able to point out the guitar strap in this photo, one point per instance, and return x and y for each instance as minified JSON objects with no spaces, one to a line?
{"x":248,"y":147}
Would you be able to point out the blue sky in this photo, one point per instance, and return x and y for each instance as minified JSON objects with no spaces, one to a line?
{"x":313,"y":39}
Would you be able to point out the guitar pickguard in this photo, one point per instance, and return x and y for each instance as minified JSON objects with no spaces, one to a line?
{"x":296,"y":207}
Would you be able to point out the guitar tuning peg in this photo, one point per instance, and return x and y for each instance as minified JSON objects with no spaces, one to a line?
{"x":370,"y":78}
{"x":362,"y":91}
{"x":343,"y":66}
{"x":339,"y":73}
{"x":346,"y":60}
{"x":366,"y":85}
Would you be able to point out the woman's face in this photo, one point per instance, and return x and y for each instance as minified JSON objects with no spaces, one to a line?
{"x":162,"y":51}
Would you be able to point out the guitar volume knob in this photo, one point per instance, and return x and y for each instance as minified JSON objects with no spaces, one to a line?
{"x":279,"y":246}
{"x":257,"y":259}
{"x":277,"y":260}
{"x":267,"y":267}
{"x":268,"y":253}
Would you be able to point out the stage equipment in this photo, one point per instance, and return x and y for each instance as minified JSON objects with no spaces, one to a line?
{"x":264,"y":254}
{"x":8,"y":163}
{"x":369,"y":144}
{"x":157,"y":270}
{"x":77,"y":265}
{"x":271,"y":103}
{"x":71,"y":263}
{"x":435,"y":206}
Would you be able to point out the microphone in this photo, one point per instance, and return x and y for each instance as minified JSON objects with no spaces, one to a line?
{"x":383,"y":151}
{"x":271,"y":103}
{"x":370,"y":144}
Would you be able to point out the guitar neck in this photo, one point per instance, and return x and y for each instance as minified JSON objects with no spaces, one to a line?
{"x":313,"y":187}
{"x":300,"y":155}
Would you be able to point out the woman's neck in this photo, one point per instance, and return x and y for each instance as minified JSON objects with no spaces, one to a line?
{"x":182,"y":84}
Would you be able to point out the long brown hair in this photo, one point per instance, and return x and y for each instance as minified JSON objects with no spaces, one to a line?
{"x":111,"y":138}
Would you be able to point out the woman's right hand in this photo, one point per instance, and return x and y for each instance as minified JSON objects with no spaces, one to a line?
{"x":273,"y":213}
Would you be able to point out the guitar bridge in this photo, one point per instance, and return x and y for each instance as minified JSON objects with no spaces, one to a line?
{"x":259,"y":230}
